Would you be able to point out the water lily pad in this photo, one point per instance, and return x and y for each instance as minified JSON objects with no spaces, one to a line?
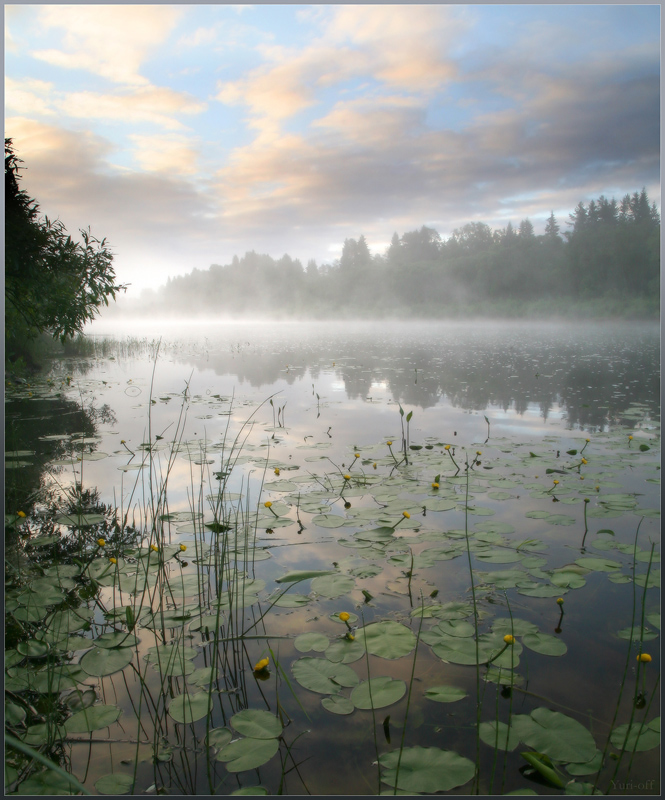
{"x":445,"y":694}
{"x":301,"y":575}
{"x":378,"y":692}
{"x":293,"y":601}
{"x":256,"y":724}
{"x":595,"y":563}
{"x":499,"y":735}
{"x":545,"y":643}
{"x":345,"y":651}
{"x":323,"y":676}
{"x":311,"y":641}
{"x":334,"y":585}
{"x":555,"y":735}
{"x":388,"y":639}
{"x":244,"y":754}
{"x":102,"y":661}
{"x":219,"y":737}
{"x":115,"y":783}
{"x":426,"y":769}
{"x":516,"y":626}
{"x":640,"y":737}
{"x":93,"y":718}
{"x":116,"y":639}
{"x":188,"y":708}
{"x":589,"y":768}
{"x":251,"y":790}
{"x":329,"y":520}
{"x":337,"y":704}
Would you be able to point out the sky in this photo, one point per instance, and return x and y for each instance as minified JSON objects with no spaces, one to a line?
{"x":186,"y":134}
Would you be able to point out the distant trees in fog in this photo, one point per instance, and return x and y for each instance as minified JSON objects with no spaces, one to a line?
{"x":612,"y":251}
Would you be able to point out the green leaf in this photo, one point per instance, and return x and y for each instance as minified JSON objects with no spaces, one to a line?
{"x":250,"y":790}
{"x":555,"y":735}
{"x":337,"y":704}
{"x":345,"y":651}
{"x":499,"y":735}
{"x":219,"y":737}
{"x":257,"y":724}
{"x":426,"y":769}
{"x":378,"y":692}
{"x":188,"y":708}
{"x":301,"y":575}
{"x":542,"y":764}
{"x":644,"y":739}
{"x":388,"y":639}
{"x":311,"y":641}
{"x":100,"y":662}
{"x":445,"y":694}
{"x":244,"y":754}
{"x":544,"y":643}
{"x":92,"y":719}
{"x":323,"y":676}
{"x":115,"y":783}
{"x":589,"y":768}
{"x":334,"y":585}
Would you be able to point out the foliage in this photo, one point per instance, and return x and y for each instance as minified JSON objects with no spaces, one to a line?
{"x":53,"y":284}
{"x":608,"y":264}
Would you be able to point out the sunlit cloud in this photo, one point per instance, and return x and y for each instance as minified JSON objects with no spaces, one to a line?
{"x":170,"y":154}
{"x":111,"y":41}
{"x":30,"y":94}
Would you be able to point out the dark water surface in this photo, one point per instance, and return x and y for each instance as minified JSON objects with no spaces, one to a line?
{"x":147,"y":419}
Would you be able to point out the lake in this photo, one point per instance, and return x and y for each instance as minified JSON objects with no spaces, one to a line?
{"x":444,"y":539}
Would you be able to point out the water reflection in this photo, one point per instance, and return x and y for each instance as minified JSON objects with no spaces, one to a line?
{"x":594,"y":373}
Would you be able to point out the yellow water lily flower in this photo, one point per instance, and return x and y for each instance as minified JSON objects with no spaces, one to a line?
{"x":276,"y":470}
{"x":183,"y":547}
{"x":587,"y":440}
{"x":435,"y":486}
{"x":350,"y":637}
{"x":113,"y":560}
{"x":357,"y":455}
{"x":560,"y":600}
{"x":584,"y":461}
{"x":478,"y":453}
{"x":630,"y":438}
{"x":343,"y":615}
{"x":267,"y":504}
{"x":447,"y":447}
{"x":406,"y":514}
{"x":388,"y":443}
{"x":261,"y":665}
{"x":555,"y":482}
{"x":508,"y":639}
{"x":101,"y":542}
{"x":644,"y":658}
{"x":20,"y":514}
{"x":347,"y":477}
{"x":154,"y":548}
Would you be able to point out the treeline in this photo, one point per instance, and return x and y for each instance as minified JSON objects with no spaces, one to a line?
{"x":610,"y":255}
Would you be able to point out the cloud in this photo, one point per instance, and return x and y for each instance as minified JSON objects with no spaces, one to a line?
{"x":110,"y":41}
{"x":28,"y":96}
{"x":153,"y":104}
{"x":171,"y":154}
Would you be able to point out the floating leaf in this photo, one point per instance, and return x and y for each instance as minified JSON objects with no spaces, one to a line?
{"x":544,"y":643}
{"x":257,"y":724}
{"x":323,"y":676}
{"x":244,"y":754}
{"x":555,"y":735}
{"x":426,"y":769}
{"x":334,"y":585}
{"x":378,"y":692}
{"x":499,"y":735}
{"x":337,"y":704}
{"x":92,"y":719}
{"x":640,"y":737}
{"x":100,"y":662}
{"x":445,"y":694}
{"x":188,"y":708}
{"x":115,"y":783}
{"x":387,"y":639}
{"x":311,"y":641}
{"x":301,"y":575}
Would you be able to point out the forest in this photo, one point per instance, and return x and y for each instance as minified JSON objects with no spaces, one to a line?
{"x":607,"y":263}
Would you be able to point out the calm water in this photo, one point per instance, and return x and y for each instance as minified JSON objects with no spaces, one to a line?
{"x":516,"y":400}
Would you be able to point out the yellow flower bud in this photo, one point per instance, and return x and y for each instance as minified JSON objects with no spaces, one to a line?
{"x":478,"y":453}
{"x":20,"y":514}
{"x":644,"y":658}
{"x":357,"y":455}
{"x":560,"y":600}
{"x":435,"y":486}
{"x":344,"y":616}
{"x":374,"y":465}
{"x":406,"y":514}
{"x":630,"y":438}
{"x":347,"y":477}
{"x":350,"y":637}
{"x":587,"y":440}
{"x":508,"y":639}
{"x":261,"y":665}
{"x":388,"y":443}
{"x":267,"y":504}
{"x":584,"y":461}
{"x":113,"y":560}
{"x":555,"y":482}
{"x":183,"y":547}
{"x":276,"y":470}
{"x":154,"y":548}
{"x":447,"y":447}
{"x":101,"y":542}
